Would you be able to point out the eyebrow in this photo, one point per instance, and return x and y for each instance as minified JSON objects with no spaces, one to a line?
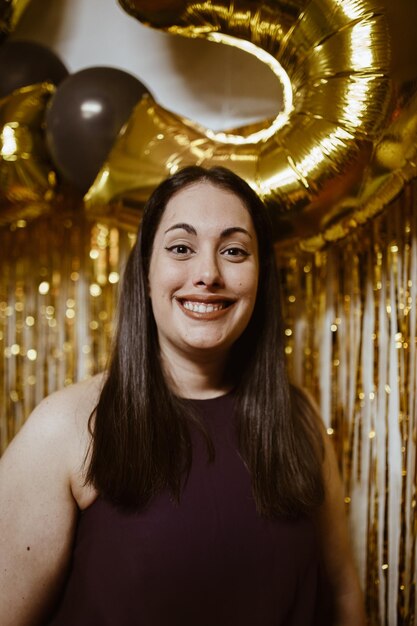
{"x":225,"y":233}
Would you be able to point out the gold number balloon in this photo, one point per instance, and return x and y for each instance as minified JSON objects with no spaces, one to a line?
{"x":340,"y":149}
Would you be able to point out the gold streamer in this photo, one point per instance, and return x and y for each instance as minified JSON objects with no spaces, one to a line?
{"x":351,"y":315}
{"x":57,"y":291}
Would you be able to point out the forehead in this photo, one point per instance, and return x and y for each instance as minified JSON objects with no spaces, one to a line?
{"x":206,"y":206}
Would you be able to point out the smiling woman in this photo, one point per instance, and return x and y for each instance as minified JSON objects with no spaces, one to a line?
{"x":191,"y":483}
{"x":203,"y":277}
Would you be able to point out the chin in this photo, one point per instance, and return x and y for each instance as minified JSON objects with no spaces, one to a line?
{"x":206,"y":345}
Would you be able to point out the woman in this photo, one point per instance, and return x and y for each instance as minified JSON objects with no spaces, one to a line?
{"x":191,"y":483}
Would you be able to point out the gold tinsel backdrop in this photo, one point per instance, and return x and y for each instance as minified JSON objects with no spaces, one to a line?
{"x":351,"y":315}
{"x":336,"y":169}
{"x":351,"y":339}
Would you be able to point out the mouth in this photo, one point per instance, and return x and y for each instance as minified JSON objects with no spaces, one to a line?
{"x":200,"y":308}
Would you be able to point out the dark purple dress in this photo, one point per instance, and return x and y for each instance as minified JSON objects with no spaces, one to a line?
{"x":210,"y":561}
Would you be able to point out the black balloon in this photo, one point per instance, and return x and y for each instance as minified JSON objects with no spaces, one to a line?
{"x":84,"y":118}
{"x":25,"y":63}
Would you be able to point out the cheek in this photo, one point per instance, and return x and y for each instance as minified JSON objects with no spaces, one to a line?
{"x":164,"y":280}
{"x":247,"y":283}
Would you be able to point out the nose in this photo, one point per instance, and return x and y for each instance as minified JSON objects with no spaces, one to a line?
{"x":207,"y":270}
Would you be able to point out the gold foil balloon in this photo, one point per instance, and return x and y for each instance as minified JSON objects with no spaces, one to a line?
{"x":10,"y":13}
{"x":26,"y":178}
{"x":326,"y":161}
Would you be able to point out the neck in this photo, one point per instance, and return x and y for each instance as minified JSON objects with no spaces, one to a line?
{"x":201,"y":376}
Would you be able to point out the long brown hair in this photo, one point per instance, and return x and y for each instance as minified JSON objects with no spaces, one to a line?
{"x":141,"y":442}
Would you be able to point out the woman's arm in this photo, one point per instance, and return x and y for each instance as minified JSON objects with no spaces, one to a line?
{"x":336,"y":546}
{"x":38,"y":512}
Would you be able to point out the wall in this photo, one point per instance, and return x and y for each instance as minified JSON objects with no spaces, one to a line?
{"x":215,"y":85}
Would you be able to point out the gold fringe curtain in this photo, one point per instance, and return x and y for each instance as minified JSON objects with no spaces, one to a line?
{"x":351,"y":339}
{"x":58,"y":282}
{"x":351,"y":330}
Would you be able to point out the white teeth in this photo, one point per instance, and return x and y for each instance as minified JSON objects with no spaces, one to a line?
{"x":200,"y":307}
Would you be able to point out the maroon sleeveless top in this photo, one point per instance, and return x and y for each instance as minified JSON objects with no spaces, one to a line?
{"x":209,"y":561}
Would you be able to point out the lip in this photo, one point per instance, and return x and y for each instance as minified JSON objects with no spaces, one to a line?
{"x":207,"y":300}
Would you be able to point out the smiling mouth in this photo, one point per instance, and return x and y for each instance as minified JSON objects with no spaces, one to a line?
{"x":204,"y":308}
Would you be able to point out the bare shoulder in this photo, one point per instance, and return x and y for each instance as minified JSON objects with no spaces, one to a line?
{"x":68,"y":407}
{"x":304,"y":401}
{"x":41,"y":490}
{"x":57,"y":432}
{"x":331,"y":520}
{"x":61,"y":417}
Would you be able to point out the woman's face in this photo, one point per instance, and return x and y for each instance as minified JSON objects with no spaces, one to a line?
{"x":203,"y":274}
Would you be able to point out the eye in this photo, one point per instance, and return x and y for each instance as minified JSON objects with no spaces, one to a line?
{"x":179,"y":249}
{"x":236,"y":253}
